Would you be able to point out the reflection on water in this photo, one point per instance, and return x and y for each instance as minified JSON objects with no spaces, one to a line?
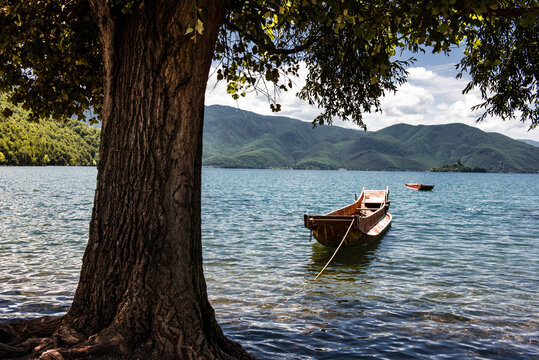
{"x":348,"y":263}
{"x":455,"y":277}
{"x":355,"y":256}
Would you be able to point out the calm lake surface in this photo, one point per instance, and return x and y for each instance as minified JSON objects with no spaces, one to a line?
{"x":456,"y":277}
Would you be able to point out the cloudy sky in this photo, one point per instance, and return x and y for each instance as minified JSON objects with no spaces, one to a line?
{"x":431,"y":96}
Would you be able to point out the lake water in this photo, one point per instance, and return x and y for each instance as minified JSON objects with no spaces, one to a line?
{"x":456,"y":276}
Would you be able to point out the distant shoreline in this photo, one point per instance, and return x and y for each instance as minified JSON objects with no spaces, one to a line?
{"x":377,"y":170}
{"x":277,"y":168}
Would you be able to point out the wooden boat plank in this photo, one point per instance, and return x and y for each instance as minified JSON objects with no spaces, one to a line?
{"x":380,"y":226}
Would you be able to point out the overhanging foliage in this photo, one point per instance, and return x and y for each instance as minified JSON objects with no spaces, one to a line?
{"x":50,"y":57}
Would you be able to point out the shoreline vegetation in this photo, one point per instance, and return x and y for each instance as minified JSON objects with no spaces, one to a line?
{"x":48,"y":142}
{"x":444,"y":168}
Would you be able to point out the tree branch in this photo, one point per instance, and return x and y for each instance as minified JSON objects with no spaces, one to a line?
{"x":270,"y":47}
{"x":513,"y":12}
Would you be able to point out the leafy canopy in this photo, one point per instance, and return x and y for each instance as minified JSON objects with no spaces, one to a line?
{"x":50,"y":58}
{"x":50,"y":61}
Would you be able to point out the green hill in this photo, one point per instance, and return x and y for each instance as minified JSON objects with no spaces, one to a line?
{"x":237,"y":138}
{"x":531,"y":142}
{"x":242,"y":139}
{"x":47,"y":142}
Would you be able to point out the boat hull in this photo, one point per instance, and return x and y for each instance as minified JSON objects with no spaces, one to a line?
{"x":331,"y":234}
{"x":355,"y":224}
{"x":420,"y":187}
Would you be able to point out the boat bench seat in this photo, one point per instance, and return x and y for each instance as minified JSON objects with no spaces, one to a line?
{"x":374,"y":200}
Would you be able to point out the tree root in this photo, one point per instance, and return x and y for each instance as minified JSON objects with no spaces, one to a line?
{"x":20,"y":338}
{"x":21,"y":349}
{"x":50,"y":339}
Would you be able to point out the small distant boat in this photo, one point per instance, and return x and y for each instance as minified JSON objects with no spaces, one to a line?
{"x":422,"y":187}
{"x":359,"y":223}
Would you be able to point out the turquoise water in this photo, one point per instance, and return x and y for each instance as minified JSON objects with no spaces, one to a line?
{"x":456,"y":277}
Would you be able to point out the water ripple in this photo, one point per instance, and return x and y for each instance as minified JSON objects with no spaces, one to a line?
{"x":456,"y":277}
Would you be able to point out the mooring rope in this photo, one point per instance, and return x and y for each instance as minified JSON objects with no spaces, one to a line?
{"x":335,"y":253}
{"x":307,"y":282}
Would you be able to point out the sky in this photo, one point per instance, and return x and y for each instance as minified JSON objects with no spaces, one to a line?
{"x":431,"y":96}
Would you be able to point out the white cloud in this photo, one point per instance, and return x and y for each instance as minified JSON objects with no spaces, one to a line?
{"x":409,"y":100}
{"x":457,"y":111}
{"x":420,"y":74}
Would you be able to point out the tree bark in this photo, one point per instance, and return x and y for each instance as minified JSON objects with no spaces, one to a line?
{"x":142,"y":285}
{"x":142,"y":292}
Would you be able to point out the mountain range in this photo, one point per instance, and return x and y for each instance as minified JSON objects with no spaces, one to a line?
{"x":241,"y":139}
{"x":531,"y":142}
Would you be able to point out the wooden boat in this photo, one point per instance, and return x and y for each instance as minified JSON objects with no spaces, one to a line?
{"x":421,"y":187}
{"x":362,"y":222}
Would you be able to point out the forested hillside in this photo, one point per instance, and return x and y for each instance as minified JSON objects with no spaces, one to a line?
{"x":47,"y":142}
{"x":241,"y":139}
{"x":236,"y":138}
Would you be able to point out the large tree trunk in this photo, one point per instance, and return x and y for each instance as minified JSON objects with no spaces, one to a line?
{"x":142,"y":291}
{"x":142,"y":284}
